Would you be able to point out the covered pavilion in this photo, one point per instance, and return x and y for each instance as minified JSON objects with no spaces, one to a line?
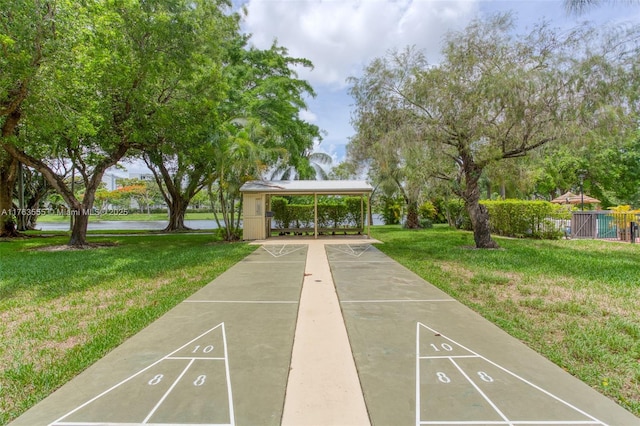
{"x":256,"y":196}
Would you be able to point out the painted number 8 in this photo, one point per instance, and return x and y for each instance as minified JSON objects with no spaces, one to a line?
{"x":484,"y":376}
{"x":200,"y":380}
{"x":156,"y":379}
{"x":443,"y":377}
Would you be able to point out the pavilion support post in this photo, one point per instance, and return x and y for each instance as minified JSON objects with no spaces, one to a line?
{"x":315,"y":215}
{"x":362,"y":211}
{"x":370,"y":216}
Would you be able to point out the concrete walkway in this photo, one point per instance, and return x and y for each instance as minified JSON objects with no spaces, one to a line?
{"x":323,"y":332}
{"x":323,"y":387}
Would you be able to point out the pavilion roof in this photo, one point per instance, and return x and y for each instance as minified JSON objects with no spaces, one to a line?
{"x":327,"y":187}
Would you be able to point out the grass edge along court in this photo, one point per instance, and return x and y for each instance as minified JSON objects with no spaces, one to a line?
{"x":60,"y":311}
{"x":572,"y":301}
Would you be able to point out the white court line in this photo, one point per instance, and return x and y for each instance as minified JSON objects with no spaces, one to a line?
{"x":593,"y":419}
{"x":232,"y":420}
{"x":280,"y":254}
{"x":514,"y":423}
{"x":59,"y":422}
{"x":243,"y":301}
{"x":418,"y":403}
{"x":363,"y":261}
{"x":197,"y":358}
{"x":138,"y":424}
{"x":397,"y":300}
{"x":351,"y":251}
{"x":477,"y":388}
{"x":280,"y":262}
{"x":449,"y":356}
{"x":166,"y":394}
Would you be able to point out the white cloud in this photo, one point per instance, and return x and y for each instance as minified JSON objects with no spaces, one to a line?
{"x":307,"y":116}
{"x":340,"y":37}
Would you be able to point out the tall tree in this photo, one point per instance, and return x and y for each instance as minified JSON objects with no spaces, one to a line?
{"x":115,"y":90}
{"x":258,"y":93}
{"x":494,"y":96}
{"x":27,"y":33}
{"x":238,"y":156}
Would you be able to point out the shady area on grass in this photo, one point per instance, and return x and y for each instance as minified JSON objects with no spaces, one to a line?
{"x":573,"y":301}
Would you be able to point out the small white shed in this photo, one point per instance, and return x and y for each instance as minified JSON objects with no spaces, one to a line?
{"x":256,"y":198}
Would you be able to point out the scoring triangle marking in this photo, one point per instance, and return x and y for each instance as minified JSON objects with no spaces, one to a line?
{"x":460,"y":357}
{"x":163,"y":380}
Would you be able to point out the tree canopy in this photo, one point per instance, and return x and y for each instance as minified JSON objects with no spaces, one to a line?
{"x":494,"y":96}
{"x":92,"y":83}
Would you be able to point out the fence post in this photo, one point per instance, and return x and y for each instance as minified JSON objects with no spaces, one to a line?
{"x":632,"y":231}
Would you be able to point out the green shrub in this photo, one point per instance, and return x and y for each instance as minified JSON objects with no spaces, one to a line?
{"x":301,"y":215}
{"x":354,"y":215}
{"x":524,"y":218}
{"x":333,"y":212}
{"x":391,"y":211}
{"x":456,"y":214}
{"x":281,"y":215}
{"x":426,"y":223}
{"x":427,"y":211}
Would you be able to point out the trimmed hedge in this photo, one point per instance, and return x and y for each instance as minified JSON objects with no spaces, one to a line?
{"x":341,"y":212}
{"x":524,"y":218}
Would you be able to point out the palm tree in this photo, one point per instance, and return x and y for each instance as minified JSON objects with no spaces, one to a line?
{"x":309,"y":167}
{"x":238,"y":155}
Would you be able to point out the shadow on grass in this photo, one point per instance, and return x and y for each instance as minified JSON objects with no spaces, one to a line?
{"x":614,"y":263}
{"x":50,"y":274}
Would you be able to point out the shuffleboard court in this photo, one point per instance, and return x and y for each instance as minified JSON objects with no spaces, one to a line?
{"x":221,"y":357}
{"x":425,"y":359}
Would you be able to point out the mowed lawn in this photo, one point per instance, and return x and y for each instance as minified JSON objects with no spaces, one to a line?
{"x":61,"y":310}
{"x":577,"y":302}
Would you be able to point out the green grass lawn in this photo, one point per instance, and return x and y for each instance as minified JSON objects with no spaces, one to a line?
{"x":60,"y":311}
{"x":130,"y":216}
{"x":577,"y":302}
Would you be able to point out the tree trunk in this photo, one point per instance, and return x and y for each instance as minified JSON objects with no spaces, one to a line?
{"x":79,"y":229}
{"x":39,"y":190}
{"x":8,"y":176}
{"x":177,"y":211}
{"x":480,"y":221}
{"x":413,"y":220}
{"x":8,"y":169}
{"x":477,"y":212}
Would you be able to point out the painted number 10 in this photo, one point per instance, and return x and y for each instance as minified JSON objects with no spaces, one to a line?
{"x":206,"y":349}
{"x":447,"y":347}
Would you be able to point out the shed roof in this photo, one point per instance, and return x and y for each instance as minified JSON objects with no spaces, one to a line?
{"x":329,"y":187}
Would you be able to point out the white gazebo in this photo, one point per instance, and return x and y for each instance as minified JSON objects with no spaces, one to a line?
{"x":256,"y":198}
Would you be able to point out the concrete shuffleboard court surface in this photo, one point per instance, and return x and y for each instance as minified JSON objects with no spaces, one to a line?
{"x":323,"y":333}
{"x":425,"y":359}
{"x":219,"y":358}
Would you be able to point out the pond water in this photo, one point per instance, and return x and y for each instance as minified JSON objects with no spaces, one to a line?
{"x":136,"y":225}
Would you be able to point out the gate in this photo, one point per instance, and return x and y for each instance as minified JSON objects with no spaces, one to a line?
{"x":604,"y":225}
{"x":584,"y":225}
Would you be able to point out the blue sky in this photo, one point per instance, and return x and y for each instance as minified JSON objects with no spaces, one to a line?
{"x":341,"y":36}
